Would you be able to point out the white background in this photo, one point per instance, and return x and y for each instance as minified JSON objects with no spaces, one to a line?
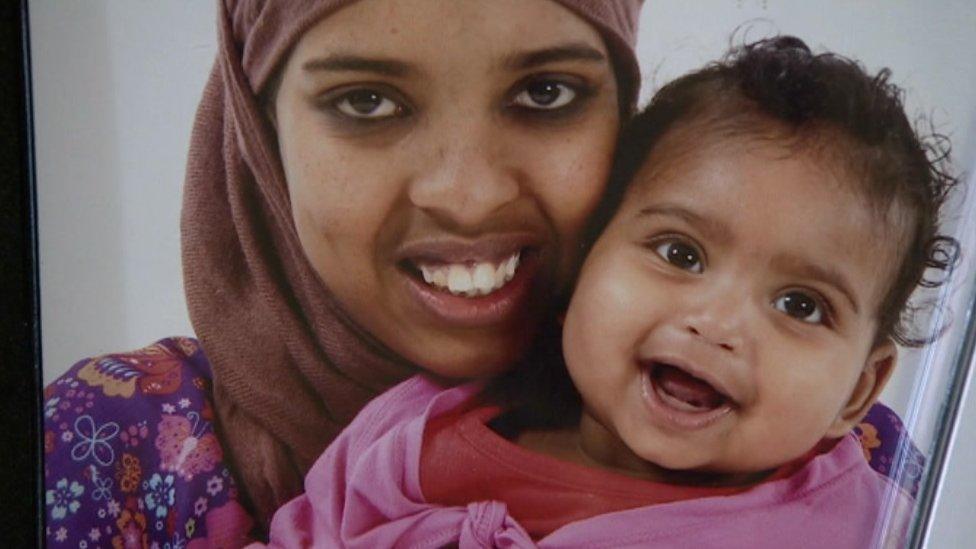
{"x":116,"y":85}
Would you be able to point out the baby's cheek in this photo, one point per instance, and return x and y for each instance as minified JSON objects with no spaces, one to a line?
{"x":593,"y":311}
{"x":588,"y":334}
{"x":795,"y":425}
{"x":606,"y":321}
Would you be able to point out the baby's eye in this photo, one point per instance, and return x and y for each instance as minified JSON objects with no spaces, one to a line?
{"x":367,"y":104}
{"x":800,"y":306}
{"x":545,"y":95}
{"x":680,"y":254}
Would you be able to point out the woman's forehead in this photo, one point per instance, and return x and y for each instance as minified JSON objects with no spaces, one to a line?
{"x":489,"y":35}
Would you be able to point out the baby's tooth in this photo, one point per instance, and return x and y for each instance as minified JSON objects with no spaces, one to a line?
{"x":428,"y":276}
{"x":510,"y":266}
{"x":484,"y":278}
{"x":459,"y":280}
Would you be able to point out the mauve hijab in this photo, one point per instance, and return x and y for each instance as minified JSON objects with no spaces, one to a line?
{"x":291,"y":369}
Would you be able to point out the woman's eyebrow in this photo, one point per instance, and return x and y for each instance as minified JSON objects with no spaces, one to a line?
{"x":572,"y":51}
{"x":358,"y":63}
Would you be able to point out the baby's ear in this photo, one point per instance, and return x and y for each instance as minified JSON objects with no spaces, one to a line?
{"x":877,"y":369}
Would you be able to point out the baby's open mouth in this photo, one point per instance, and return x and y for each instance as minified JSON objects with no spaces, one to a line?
{"x":468,"y":278}
{"x":683,"y":391}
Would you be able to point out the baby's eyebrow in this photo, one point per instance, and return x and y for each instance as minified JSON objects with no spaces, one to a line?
{"x":823,"y":273}
{"x":713,"y":228}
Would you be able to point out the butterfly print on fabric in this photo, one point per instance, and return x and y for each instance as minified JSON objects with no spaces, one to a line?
{"x":184,"y":447}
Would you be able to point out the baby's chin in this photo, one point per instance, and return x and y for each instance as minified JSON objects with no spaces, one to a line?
{"x":691,"y":468}
{"x":712,"y":477}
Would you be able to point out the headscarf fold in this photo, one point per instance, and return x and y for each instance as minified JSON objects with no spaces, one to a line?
{"x":291,"y":368}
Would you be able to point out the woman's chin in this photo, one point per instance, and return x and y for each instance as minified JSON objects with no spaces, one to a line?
{"x":461,"y":361}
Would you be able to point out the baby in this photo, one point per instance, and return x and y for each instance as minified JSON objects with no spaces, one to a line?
{"x":768,"y":218}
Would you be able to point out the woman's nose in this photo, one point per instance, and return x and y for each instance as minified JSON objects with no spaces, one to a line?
{"x":463,"y":182}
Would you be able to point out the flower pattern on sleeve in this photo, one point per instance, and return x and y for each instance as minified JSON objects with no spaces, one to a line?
{"x":131,"y":458}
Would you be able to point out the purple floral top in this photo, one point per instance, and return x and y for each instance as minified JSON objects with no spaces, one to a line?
{"x":131,"y":459}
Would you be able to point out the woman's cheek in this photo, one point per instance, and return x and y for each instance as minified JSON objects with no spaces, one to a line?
{"x":572,"y":198}
{"x":570,"y":167}
{"x":345,"y":200}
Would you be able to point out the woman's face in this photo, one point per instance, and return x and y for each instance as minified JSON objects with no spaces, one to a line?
{"x":442,"y":157}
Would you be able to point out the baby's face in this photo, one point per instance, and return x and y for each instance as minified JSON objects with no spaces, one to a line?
{"x":725,"y":320}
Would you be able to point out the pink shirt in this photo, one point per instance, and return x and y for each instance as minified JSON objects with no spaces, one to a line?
{"x":365,"y":492}
{"x":464,"y":460}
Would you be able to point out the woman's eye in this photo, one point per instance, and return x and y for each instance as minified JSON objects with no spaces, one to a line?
{"x":681,"y":255}
{"x":545,"y":95}
{"x":800,"y":306}
{"x":367,"y":104}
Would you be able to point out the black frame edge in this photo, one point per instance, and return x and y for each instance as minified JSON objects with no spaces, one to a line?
{"x":22,"y":505}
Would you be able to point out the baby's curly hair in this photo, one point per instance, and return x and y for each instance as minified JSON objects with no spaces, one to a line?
{"x":828,"y":104}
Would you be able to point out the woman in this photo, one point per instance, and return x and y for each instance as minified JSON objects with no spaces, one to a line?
{"x":373,"y":187}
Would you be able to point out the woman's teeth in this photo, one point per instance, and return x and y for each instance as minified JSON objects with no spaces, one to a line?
{"x":480,"y":278}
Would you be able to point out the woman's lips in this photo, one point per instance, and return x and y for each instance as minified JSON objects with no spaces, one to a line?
{"x":477,"y":310}
{"x":456,"y":250}
{"x":696,"y":406}
{"x":471,"y":284}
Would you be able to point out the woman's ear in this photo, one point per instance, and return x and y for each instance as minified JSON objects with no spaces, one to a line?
{"x":877,"y":369}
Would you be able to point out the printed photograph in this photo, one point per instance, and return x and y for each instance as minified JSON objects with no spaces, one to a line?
{"x":506,"y":273}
